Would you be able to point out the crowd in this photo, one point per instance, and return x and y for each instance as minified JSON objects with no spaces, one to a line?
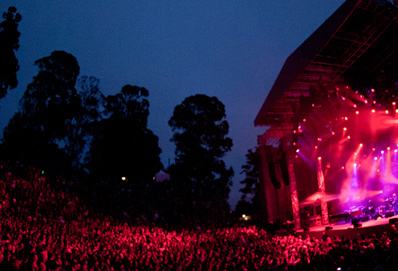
{"x":44,"y":226}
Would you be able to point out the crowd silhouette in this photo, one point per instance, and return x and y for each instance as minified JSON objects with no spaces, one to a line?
{"x":44,"y":226}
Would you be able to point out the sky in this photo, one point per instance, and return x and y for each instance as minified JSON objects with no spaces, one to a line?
{"x":232,"y":50}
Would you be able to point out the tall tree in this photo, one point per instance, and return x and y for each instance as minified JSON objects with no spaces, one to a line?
{"x":81,"y":126}
{"x":123,"y":145}
{"x":51,"y":99}
{"x":47,"y":106}
{"x":250,"y":201}
{"x":9,"y":43}
{"x":200,"y":134}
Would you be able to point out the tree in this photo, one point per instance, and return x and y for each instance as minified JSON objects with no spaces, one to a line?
{"x":9,"y":42}
{"x":49,"y":103}
{"x":123,"y":145}
{"x":81,"y":127}
{"x":51,"y":99}
{"x":250,"y":201}
{"x":200,"y":134}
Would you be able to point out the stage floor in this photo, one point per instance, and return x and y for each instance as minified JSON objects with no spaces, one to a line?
{"x":366,"y":228}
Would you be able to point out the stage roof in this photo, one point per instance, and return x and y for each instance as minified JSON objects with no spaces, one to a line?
{"x":356,"y":45}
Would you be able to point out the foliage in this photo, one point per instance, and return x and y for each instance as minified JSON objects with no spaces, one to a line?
{"x":9,"y":42}
{"x":49,"y":103}
{"x":81,"y":127}
{"x":200,"y":134}
{"x":250,"y":201}
{"x":123,"y":145}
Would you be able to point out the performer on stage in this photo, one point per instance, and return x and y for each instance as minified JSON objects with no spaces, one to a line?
{"x":371,"y":208}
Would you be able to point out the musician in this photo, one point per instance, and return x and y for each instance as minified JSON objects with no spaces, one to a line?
{"x":371,"y":208}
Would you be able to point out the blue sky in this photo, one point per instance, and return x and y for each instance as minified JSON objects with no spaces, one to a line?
{"x":233,"y":50}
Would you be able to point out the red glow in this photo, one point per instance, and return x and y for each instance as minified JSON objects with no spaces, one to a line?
{"x":372,"y":90}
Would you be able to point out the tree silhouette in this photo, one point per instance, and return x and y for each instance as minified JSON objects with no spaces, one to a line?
{"x":81,"y":127}
{"x":48,"y":105}
{"x":123,"y":145}
{"x":9,"y":42}
{"x":200,"y":134}
{"x":250,"y":201}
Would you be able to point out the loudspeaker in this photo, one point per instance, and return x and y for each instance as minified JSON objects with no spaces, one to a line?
{"x":393,"y":220}
{"x":328,"y":228}
{"x":389,"y":214}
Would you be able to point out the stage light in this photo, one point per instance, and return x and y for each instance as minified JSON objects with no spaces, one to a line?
{"x":296,"y":156}
{"x":333,"y":133}
{"x":382,"y":152}
{"x":319,"y":139}
{"x":388,"y":148}
{"x":342,"y":167}
{"x":355,"y":106}
{"x":373,"y":110}
{"x":319,"y":158}
{"x":357,"y":112}
{"x":386,"y":111}
{"x":313,"y":105}
{"x":396,"y":150}
{"x":304,"y":120}
{"x":348,"y":137}
{"x":345,"y":128}
{"x":360,"y":145}
{"x":375,"y":158}
{"x":316,"y":147}
{"x":298,"y":150}
{"x":373,"y":149}
{"x":372,"y":90}
{"x":355,"y":164}
{"x":396,"y":110}
{"x":343,"y":98}
{"x":366,"y":101}
{"x":393,"y":103}
{"x":345,"y":118}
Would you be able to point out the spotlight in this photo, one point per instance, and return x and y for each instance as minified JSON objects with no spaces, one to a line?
{"x":393,"y":103}
{"x":345,"y":128}
{"x":298,"y":150}
{"x":357,"y":112}
{"x":386,"y":111}
{"x":373,"y":110}
{"x":382,"y":152}
{"x":388,"y":148}
{"x":319,"y":158}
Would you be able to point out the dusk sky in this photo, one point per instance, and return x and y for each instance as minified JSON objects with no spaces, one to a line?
{"x":233,"y":50}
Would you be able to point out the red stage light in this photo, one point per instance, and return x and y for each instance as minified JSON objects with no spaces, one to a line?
{"x":357,"y":112}
{"x":373,"y":110}
{"x":319,"y":158}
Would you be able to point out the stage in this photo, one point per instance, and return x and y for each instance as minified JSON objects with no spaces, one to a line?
{"x":367,"y":228}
